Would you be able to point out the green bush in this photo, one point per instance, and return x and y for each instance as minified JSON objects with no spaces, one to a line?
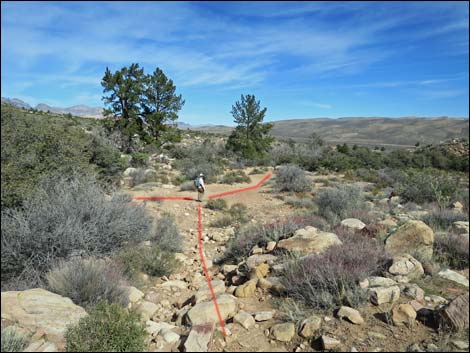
{"x":291,"y":178}
{"x":87,"y":282}
{"x":187,"y":186}
{"x":67,"y":216}
{"x":237,"y":176}
{"x":216,"y":204}
{"x":439,"y":219}
{"x":107,"y":328}
{"x":238,"y":212}
{"x":151,"y":260}
{"x":221,"y":222}
{"x":13,"y":340}
{"x":35,"y":146}
{"x":297,"y":202}
{"x":139,"y":160}
{"x":166,"y":234}
{"x":339,"y":203}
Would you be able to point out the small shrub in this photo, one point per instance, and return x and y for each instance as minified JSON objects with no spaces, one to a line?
{"x":238,"y":176}
{"x":67,"y":215}
{"x":107,"y":328}
{"x":139,"y":160}
{"x":238,"y":212}
{"x":303,"y":202}
{"x":222,"y":222}
{"x":13,"y":340}
{"x":166,"y":234}
{"x":330,"y":279}
{"x":439,"y":219}
{"x":216,"y":204}
{"x":291,"y":178}
{"x":451,"y":250}
{"x":258,"y":171}
{"x":150,"y":260}
{"x":87,"y":282}
{"x":337,"y":204}
{"x":187,"y":186}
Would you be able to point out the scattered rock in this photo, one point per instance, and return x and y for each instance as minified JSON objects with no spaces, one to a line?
{"x":270,"y":246}
{"x":259,"y":271}
{"x":414,"y":235}
{"x":170,"y":336}
{"x":255,"y":260}
{"x":199,"y":338}
{"x":455,"y":314}
{"x":462,"y":345}
{"x":329,"y":343}
{"x":406,"y":266}
{"x":283,"y":332}
{"x":204,"y":292}
{"x":351,"y":315}
{"x":375,"y":281}
{"x":381,"y":295}
{"x":246,"y":290}
{"x":264,"y":315}
{"x":134,"y":294}
{"x":412,"y":290}
{"x":403,"y":314}
{"x":353,"y":223}
{"x":461,"y":227}
{"x":244,"y":319}
{"x":204,"y":312}
{"x":147,"y":310}
{"x":226,"y":269}
{"x":454,"y":277}
{"x":310,"y":326}
{"x":309,"y":240}
{"x":176,"y":284}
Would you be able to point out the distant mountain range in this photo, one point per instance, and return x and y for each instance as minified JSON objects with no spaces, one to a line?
{"x":77,"y":110}
{"x":371,"y":131}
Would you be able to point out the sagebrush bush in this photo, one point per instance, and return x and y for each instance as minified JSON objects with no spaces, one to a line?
{"x":439,"y":219}
{"x":296,"y":202}
{"x":166,"y":234}
{"x":216,"y":204}
{"x":237,"y":176}
{"x":68,"y":215}
{"x":331,"y":279}
{"x":151,"y":260}
{"x":187,"y":186}
{"x":338,"y":203}
{"x":238,"y":212}
{"x":291,"y":178}
{"x":258,"y":171}
{"x":13,"y":340}
{"x":139,"y":160}
{"x":107,"y":328}
{"x":87,"y":282}
{"x":221,"y":222}
{"x":451,"y":250}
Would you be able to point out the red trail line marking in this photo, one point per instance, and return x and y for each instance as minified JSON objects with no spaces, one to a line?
{"x":157,"y":198}
{"x":261,"y":182}
{"x":208,"y":278}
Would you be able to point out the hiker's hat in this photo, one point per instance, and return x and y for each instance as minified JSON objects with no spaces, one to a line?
{"x":201,"y":174}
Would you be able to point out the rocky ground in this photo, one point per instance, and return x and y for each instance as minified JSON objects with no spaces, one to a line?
{"x":180,"y":316}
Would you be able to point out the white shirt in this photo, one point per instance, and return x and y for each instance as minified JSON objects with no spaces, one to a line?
{"x":201,"y":183}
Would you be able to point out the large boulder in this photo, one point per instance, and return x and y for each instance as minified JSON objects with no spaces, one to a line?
{"x":352,"y":315}
{"x":412,"y":236}
{"x":199,"y":338}
{"x":309,"y":240}
{"x":40,"y":310}
{"x":247,"y":289}
{"x":204,"y":292}
{"x":205,"y":312}
{"x":381,"y":295}
{"x":454,"y":277}
{"x":283,"y":332}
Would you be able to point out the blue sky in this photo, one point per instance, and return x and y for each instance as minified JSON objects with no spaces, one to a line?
{"x":301,"y":59}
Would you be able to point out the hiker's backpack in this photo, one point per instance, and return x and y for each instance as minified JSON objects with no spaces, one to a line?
{"x":196,"y":183}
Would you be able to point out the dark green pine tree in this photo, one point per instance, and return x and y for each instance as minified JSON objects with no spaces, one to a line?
{"x":160,"y":104}
{"x":124,"y":89}
{"x":250,"y":137}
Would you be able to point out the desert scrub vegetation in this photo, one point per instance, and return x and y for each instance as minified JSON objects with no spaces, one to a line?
{"x":237,"y":176}
{"x":66,"y":216}
{"x":87,"y":281}
{"x":451,"y":250}
{"x":148,"y":259}
{"x":246,"y":237}
{"x":13,"y":340}
{"x":260,"y":170}
{"x":107,"y":328}
{"x":442,"y":219}
{"x":34,"y":146}
{"x":139,"y":160}
{"x":338,"y":203}
{"x":299,"y":202}
{"x":291,"y":178}
{"x":216,"y":204}
{"x":221,"y":222}
{"x":187,"y":186}
{"x":166,"y":234}
{"x":238,"y":212}
{"x":331,"y":279}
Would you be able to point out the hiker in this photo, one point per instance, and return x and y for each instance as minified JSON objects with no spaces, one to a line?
{"x":199,"y":183}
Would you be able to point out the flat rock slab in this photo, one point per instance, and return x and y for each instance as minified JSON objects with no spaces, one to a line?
{"x":454,"y":277}
{"x":37,"y":309}
{"x":199,"y":338}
